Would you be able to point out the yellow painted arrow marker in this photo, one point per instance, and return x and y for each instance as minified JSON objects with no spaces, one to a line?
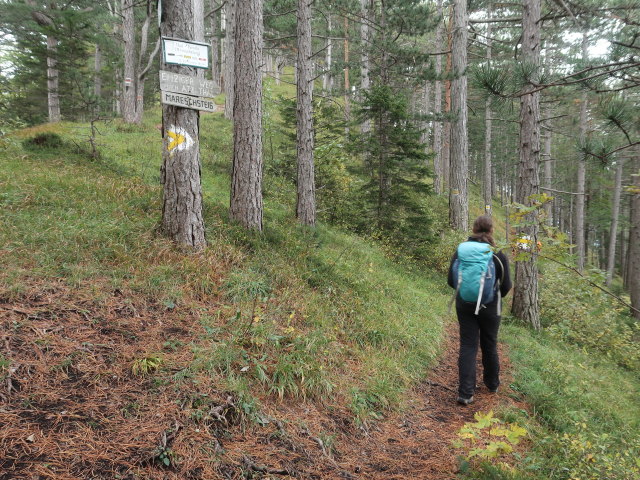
{"x":176,"y":139}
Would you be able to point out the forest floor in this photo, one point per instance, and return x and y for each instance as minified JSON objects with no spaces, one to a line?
{"x":71,"y":408}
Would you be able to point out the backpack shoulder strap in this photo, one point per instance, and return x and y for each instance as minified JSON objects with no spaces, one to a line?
{"x":501,"y":266}
{"x":499,"y":283}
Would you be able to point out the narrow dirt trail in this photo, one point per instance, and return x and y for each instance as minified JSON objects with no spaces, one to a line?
{"x":417,"y":444}
{"x":413,"y":444}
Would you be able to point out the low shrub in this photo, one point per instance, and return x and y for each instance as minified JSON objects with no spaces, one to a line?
{"x":578,"y":313}
{"x":46,"y":140}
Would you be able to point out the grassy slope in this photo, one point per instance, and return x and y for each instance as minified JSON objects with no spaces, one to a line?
{"x":324,"y":312}
{"x":337,"y":297}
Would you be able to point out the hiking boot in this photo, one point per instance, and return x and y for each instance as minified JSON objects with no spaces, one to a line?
{"x":465,"y":401}
{"x":493,"y":390}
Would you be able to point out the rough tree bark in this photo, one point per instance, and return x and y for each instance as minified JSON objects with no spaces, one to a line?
{"x":365,"y":82}
{"x":46,"y":20}
{"x":548,"y":170}
{"x":229,"y":56}
{"x":246,"y":181}
{"x":615,"y":213}
{"x":129,"y":39}
{"x":97,"y":68}
{"x":525,"y":298}
{"x":180,"y":175}
{"x":582,"y":173}
{"x":446,"y":141}
{"x":437,"y":104}
{"x":306,"y":198}
{"x":624,"y":245}
{"x":134,"y":73}
{"x":347,"y":84}
{"x":215,"y":42}
{"x":487,"y":184}
{"x":114,"y":9}
{"x":327,"y":78}
{"x":53,"y":96}
{"x":458,"y":196}
{"x":634,"y":239}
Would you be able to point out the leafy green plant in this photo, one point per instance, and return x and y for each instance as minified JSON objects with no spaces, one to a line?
{"x":578,"y":313}
{"x":165,"y":457}
{"x":4,"y":366}
{"x":488,"y":437}
{"x":586,"y":419}
{"x":593,"y":455}
{"x":147,"y":364}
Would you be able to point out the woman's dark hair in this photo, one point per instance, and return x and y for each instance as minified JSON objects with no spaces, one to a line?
{"x":483,"y":230}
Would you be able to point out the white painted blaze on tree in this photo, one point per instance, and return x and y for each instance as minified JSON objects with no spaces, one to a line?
{"x":178,"y":139}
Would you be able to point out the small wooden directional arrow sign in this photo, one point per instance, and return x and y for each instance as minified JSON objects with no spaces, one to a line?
{"x":187,"y":101}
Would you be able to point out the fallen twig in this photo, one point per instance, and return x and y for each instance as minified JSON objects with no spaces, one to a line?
{"x":436,"y":384}
{"x":264,"y":469}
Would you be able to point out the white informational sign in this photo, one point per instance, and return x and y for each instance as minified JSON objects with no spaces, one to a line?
{"x":187,"y":101}
{"x":186,"y":84}
{"x":183,"y":52}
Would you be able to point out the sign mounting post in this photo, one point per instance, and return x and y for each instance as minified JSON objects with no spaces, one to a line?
{"x":183,"y":95}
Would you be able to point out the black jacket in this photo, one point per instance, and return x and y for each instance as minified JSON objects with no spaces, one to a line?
{"x":503,"y":275}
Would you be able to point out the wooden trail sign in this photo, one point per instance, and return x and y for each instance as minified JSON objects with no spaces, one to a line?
{"x":187,"y":101}
{"x":187,"y":84}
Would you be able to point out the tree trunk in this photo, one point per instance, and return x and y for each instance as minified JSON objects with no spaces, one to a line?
{"x":229,"y":66}
{"x":180,"y":175}
{"x":548,"y":172}
{"x":624,"y":244}
{"x":365,"y":83}
{"x":306,"y":201}
{"x":278,"y":73}
{"x":487,"y":188}
{"x":53,"y":97}
{"x":117,"y":92}
{"x":582,"y":169}
{"x":437,"y":105}
{"x":327,"y":78}
{"x":525,"y":299}
{"x":347,"y":84}
{"x":615,"y":213}
{"x":129,"y":38}
{"x":634,"y":239}
{"x":44,"y":18}
{"x":215,"y":43}
{"x":117,"y":76}
{"x":446,"y":143}
{"x":246,"y":181}
{"x":425,"y":136}
{"x":97,"y":68}
{"x":458,"y":197}
{"x":134,"y":73}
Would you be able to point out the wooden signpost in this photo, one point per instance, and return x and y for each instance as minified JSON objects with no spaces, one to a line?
{"x":187,"y":91}
{"x":184,"y":94}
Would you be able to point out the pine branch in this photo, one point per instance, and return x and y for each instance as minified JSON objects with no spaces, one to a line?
{"x":215,"y":10}
{"x":561,"y":191}
{"x":565,"y":82}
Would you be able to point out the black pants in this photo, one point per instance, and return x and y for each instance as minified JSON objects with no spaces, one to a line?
{"x":473,"y":328}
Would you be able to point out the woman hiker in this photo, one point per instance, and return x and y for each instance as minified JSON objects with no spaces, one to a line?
{"x":480,"y":278}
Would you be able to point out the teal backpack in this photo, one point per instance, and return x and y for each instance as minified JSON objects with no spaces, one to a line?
{"x":474,"y":275}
